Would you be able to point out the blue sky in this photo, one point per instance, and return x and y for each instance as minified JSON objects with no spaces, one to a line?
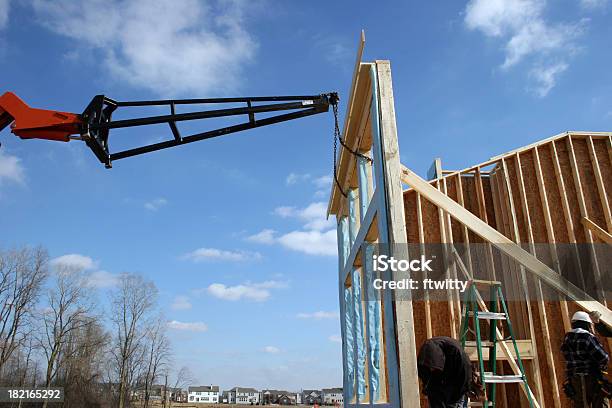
{"x":232,"y":230}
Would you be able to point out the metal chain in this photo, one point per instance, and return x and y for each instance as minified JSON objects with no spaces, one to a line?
{"x":338,"y":137}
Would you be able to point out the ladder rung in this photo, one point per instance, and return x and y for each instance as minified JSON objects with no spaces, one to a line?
{"x":483,"y":343}
{"x":486,"y":282}
{"x":490,"y":315}
{"x":502,"y":379}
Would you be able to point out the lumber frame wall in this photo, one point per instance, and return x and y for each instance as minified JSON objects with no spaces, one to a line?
{"x":554,"y":191}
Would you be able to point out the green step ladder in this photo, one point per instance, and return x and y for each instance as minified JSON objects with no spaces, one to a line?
{"x":490,"y":379}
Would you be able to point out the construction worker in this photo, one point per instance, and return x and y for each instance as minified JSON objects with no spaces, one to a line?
{"x":586,"y":361}
{"x":446,"y":372}
{"x":600,"y":327}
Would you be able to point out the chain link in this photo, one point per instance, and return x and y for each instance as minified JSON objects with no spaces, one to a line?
{"x":338,"y":137}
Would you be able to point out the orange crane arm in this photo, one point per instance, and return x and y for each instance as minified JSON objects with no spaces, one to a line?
{"x":32,"y":123}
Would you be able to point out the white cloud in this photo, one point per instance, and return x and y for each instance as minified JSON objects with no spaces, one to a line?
{"x":4,"y":13}
{"x":323,"y":181}
{"x":76,"y":261}
{"x":294,"y":178}
{"x":319,"y":315}
{"x":318,"y":236}
{"x":315,"y":215}
{"x":188,"y":326}
{"x":265,"y":236}
{"x":593,"y":4}
{"x":169,"y":47}
{"x":527,"y":34}
{"x":10,"y":166}
{"x":181,"y":303}
{"x":546,"y":77}
{"x":102,"y":279}
{"x":155,"y":204}
{"x":336,"y":338}
{"x":271,"y":350}
{"x":311,"y":242}
{"x":94,"y":277}
{"x":214,"y":254}
{"x":270,"y":284}
{"x":258,"y":292}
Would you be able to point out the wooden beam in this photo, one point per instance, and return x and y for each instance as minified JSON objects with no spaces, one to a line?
{"x":526,"y":351}
{"x":506,"y":246}
{"x":525,"y":285}
{"x":584,"y":212}
{"x":548,"y":349}
{"x":454,"y":325}
{"x":455,"y":298}
{"x":601,"y":187}
{"x":466,"y":236}
{"x":421,"y":234}
{"x":597,"y":230}
{"x":388,"y":173}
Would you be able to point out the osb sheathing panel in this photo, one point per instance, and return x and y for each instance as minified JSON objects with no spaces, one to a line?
{"x":499,"y":215}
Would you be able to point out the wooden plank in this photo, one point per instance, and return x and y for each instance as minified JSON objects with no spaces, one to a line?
{"x":550,"y":232}
{"x":517,"y":273}
{"x":566,"y":209}
{"x":443,"y":240}
{"x":390,"y":168}
{"x":422,"y":246}
{"x":335,"y":194}
{"x":367,"y":225}
{"x":466,"y":235}
{"x":506,"y":246}
{"x":525,"y":285}
{"x":601,"y":188}
{"x":455,"y":298}
{"x":526,"y":351}
{"x":548,"y":349}
{"x":597,"y":230}
{"x":584,"y":213}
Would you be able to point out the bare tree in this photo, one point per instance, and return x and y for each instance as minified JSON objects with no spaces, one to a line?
{"x":183,"y":378}
{"x":68,"y":310}
{"x":83,"y":356}
{"x":132,"y":303}
{"x":22,"y":273}
{"x":157,"y":354}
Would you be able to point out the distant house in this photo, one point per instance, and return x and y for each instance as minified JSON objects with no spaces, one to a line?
{"x":178,"y":395}
{"x":224,"y":399}
{"x":279,"y":397}
{"x":156,"y":392}
{"x":332,"y":396}
{"x":244,"y":396}
{"x":311,"y":397}
{"x":208,"y":394}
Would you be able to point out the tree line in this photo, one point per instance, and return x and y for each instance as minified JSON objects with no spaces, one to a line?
{"x":56,"y":332}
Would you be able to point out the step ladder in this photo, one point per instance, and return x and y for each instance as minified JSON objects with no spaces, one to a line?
{"x":494,"y":315}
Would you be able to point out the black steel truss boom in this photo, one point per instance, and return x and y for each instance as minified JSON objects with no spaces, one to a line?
{"x":97,"y":119}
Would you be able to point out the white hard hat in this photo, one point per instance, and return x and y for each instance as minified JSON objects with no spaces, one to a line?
{"x":581,"y":317}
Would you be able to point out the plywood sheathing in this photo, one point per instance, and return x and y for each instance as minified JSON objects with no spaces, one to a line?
{"x":551,"y":210}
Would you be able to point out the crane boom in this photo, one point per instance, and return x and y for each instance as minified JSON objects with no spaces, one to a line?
{"x":95,"y":123}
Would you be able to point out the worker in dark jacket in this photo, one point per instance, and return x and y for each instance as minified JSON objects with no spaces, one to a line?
{"x":446,"y":372}
{"x":600,"y":327}
{"x":586,"y":361}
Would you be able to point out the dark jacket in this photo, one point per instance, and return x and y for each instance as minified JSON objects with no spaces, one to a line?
{"x":444,"y":368}
{"x":583,"y":353}
{"x":603,"y":330}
